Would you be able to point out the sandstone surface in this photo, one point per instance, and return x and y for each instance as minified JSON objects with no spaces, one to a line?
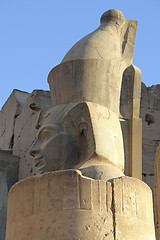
{"x":93,"y":71}
{"x":91,"y":122}
{"x":157,"y":192}
{"x":19,"y":125}
{"x":150,"y":114}
{"x":26,"y":128}
{"x":66,"y":205}
{"x":8,"y":114}
{"x":9,"y":165}
{"x":3,"y":204}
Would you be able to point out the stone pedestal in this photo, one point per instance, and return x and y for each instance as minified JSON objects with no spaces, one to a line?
{"x":66,"y":205}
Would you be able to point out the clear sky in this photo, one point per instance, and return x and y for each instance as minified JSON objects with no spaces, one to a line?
{"x":36,"y":34}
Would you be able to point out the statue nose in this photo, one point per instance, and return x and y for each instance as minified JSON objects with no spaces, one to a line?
{"x":34,"y":151}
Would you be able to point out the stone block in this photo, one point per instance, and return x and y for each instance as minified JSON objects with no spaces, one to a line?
{"x":66,"y":205}
{"x":133,"y":208}
{"x":150,"y":114}
{"x":10,"y":165}
{"x":26,"y":128}
{"x":8,"y":114}
{"x":3,"y":203}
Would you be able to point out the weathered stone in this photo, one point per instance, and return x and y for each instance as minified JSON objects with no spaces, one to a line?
{"x":136,"y":148}
{"x":92,"y":72}
{"x":154,"y":97}
{"x":67,"y":205}
{"x":3,"y":203}
{"x":8,"y":176}
{"x":93,"y":126}
{"x":130,"y":122}
{"x":133,"y":208}
{"x":108,"y":136}
{"x":150,"y":113}
{"x":8,"y":114}
{"x":130,"y":93}
{"x":100,"y":172}
{"x":91,"y":80}
{"x":65,"y":140}
{"x":10,"y":165}
{"x":126,"y":141}
{"x":100,"y":58}
{"x":26,"y":128}
{"x":75,"y":135}
{"x":157,"y":192}
{"x":113,"y":39}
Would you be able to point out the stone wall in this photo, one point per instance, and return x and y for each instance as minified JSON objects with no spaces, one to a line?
{"x":18,"y":126}
{"x":150,"y":114}
{"x":8,"y":176}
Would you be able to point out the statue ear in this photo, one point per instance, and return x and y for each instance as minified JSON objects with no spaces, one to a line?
{"x":83,"y":127}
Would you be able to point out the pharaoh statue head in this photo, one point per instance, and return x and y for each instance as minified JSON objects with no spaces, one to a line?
{"x":83,"y":136}
{"x":83,"y":130}
{"x":65,"y":138}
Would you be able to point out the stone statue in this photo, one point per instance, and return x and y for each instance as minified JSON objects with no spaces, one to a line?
{"x":90,"y":75}
{"x":82,"y":144}
{"x":65,"y":139}
{"x":79,"y":135}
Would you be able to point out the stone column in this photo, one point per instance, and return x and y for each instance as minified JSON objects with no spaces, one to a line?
{"x":66,"y":205}
{"x":130,"y":122}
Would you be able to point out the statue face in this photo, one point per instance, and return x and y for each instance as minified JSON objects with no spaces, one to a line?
{"x":54,"y":148}
{"x":65,"y":139}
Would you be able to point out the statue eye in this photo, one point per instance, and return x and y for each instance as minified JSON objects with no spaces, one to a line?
{"x":46,"y":134}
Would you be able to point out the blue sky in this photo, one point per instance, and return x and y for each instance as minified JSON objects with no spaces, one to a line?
{"x":35,"y":35}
